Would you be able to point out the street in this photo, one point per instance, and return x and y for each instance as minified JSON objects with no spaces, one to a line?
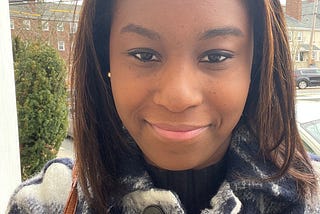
{"x":308,"y":94}
{"x":66,"y":149}
{"x":308,"y":104}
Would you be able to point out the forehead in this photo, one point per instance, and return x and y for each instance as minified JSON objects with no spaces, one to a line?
{"x":181,"y":15}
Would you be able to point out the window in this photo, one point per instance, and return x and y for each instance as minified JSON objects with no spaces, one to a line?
{"x":312,"y":71}
{"x":26,"y":24}
{"x":60,"y":26}
{"x":299,"y":57}
{"x":299,"y":36}
{"x":314,"y":55}
{"x":61,"y":46}
{"x":73,"y":27}
{"x":290,"y":36}
{"x":45,"y":25}
{"x":11,"y":24}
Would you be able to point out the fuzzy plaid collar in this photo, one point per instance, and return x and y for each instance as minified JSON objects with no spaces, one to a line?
{"x":241,"y":192}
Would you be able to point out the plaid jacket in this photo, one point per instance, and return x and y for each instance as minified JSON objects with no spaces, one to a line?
{"x":48,"y":191}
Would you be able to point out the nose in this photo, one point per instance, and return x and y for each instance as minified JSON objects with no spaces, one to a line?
{"x":178,"y":88}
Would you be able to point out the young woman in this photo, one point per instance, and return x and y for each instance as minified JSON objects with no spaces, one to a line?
{"x":180,"y":107}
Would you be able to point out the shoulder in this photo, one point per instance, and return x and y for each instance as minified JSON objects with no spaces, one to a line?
{"x":313,"y":204}
{"x":47,"y":192}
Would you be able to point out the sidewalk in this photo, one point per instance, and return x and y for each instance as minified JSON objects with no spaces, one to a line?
{"x":66,"y":149}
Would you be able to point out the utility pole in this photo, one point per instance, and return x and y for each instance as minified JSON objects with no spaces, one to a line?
{"x":314,"y":18}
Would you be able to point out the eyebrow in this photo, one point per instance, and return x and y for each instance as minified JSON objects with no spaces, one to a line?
{"x":132,"y":28}
{"x":224,"y":31}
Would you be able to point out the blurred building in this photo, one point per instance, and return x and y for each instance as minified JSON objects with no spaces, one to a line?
{"x":303,"y":20}
{"x":53,"y":23}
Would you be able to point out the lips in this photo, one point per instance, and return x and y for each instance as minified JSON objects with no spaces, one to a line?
{"x":177,"y":132}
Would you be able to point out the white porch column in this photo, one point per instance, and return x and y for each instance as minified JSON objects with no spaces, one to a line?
{"x":10,"y":175}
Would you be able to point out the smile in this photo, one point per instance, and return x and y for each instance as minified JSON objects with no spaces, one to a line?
{"x":178,"y":133}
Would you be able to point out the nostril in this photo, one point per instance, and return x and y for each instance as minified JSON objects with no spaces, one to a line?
{"x":177,"y":99}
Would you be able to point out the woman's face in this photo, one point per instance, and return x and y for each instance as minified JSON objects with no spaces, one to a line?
{"x":180,"y":74}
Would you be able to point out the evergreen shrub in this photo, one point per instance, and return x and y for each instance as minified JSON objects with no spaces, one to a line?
{"x":41,"y":103}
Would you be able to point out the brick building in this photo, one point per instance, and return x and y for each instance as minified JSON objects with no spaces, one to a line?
{"x":53,"y":23}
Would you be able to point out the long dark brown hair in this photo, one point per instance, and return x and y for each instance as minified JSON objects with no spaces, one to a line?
{"x":269,"y":111}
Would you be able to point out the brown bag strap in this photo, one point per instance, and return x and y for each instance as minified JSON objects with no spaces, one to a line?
{"x":72,"y":201}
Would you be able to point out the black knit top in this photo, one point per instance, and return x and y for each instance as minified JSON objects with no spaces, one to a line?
{"x":195,"y":188}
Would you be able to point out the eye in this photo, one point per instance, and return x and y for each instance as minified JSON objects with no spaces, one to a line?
{"x":215,"y":56}
{"x":145,"y":55}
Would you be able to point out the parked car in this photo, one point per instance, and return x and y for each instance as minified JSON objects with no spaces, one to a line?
{"x":306,"y":77}
{"x":308,"y":120}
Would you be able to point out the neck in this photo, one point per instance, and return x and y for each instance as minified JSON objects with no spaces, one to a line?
{"x":194,"y":187}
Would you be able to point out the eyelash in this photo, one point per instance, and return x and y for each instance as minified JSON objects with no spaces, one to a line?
{"x":215,"y":56}
{"x":145,"y":55}
{"x":148,"y":55}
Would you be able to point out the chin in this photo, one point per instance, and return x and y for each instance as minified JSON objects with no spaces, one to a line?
{"x":176,"y":166}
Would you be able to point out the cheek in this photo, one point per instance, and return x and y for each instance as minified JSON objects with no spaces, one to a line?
{"x":121,"y":95}
{"x":228,"y":97}
{"x":129,"y":96}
